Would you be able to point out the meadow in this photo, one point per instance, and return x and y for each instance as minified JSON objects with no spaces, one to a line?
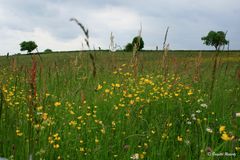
{"x":154,"y":106}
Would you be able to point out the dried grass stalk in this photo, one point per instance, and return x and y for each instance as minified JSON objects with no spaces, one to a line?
{"x":214,"y":73}
{"x":135,"y":53}
{"x":86,"y":33}
{"x":198,"y":62}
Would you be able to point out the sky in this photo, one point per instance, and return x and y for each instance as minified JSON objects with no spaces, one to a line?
{"x":47,"y":22}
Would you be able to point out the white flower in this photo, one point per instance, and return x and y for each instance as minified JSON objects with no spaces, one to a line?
{"x":238,"y":114}
{"x":189,"y":123}
{"x":38,"y":113}
{"x":193,"y":116}
{"x":187,"y":142}
{"x":135,"y":156}
{"x":204,"y":105}
{"x":198,"y":111}
{"x":200,"y":100}
{"x":209,"y":130}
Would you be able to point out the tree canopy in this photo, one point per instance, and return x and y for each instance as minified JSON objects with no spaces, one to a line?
{"x":48,"y":51}
{"x":28,"y":46}
{"x":215,"y":39}
{"x":138,"y":42}
{"x":128,"y":47}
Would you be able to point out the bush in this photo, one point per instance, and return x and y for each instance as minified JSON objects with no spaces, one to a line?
{"x":48,"y":51}
{"x":129,"y":47}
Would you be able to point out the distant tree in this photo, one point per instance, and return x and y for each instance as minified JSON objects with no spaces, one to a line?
{"x":28,"y":46}
{"x":128,"y":47}
{"x":215,"y":39}
{"x":138,"y":42}
{"x":48,"y":51}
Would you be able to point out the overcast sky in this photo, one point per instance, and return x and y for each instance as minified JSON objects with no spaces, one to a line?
{"x":47,"y":22}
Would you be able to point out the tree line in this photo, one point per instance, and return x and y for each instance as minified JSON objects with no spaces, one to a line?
{"x":216,"y":39}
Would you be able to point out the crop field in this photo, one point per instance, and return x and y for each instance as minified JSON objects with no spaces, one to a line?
{"x":153,"y":105}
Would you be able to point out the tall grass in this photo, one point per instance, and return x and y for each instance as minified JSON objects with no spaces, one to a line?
{"x":73,"y":115}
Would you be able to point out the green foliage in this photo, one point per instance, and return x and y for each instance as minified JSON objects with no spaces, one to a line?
{"x":28,"y":46}
{"x":215,"y":39}
{"x":138,"y":41}
{"x":128,"y":47}
{"x":118,"y":116}
{"x":48,"y":51}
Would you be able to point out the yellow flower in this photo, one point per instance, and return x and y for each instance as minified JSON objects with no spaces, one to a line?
{"x":71,"y":112}
{"x":55,"y":135}
{"x":81,"y":149}
{"x":222,"y":128}
{"x":130,"y":96}
{"x":225,"y":137}
{"x":190,"y":92}
{"x":164,"y":135}
{"x":113,"y":123}
{"x":57,"y":138}
{"x":18,"y":133}
{"x":107,"y":90}
{"x":72,"y":123}
{"x":99,"y":87}
{"x":135,"y":156}
{"x":44,"y":116}
{"x":137,"y":99}
{"x":50,"y":140}
{"x":237,"y":149}
{"x":57,"y":104}
{"x":96,"y":141}
{"x":169,"y":124}
{"x":37,"y":126}
{"x":39,"y":108}
{"x":141,"y":156}
{"x":103,"y":131}
{"x":179,"y":138}
{"x":88,"y":114}
{"x":117,"y":85}
{"x":131,"y":102}
{"x":56,"y":146}
{"x":145,"y":145}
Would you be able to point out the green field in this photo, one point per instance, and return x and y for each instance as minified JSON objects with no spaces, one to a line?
{"x":151,"y":107}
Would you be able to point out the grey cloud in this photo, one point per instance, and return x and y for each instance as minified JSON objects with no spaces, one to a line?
{"x":188,"y":20}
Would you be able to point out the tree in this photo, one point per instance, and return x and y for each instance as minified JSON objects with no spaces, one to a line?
{"x":215,"y":39}
{"x":28,"y":46}
{"x":48,"y":51}
{"x":138,"y":42}
{"x":128,"y":47}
